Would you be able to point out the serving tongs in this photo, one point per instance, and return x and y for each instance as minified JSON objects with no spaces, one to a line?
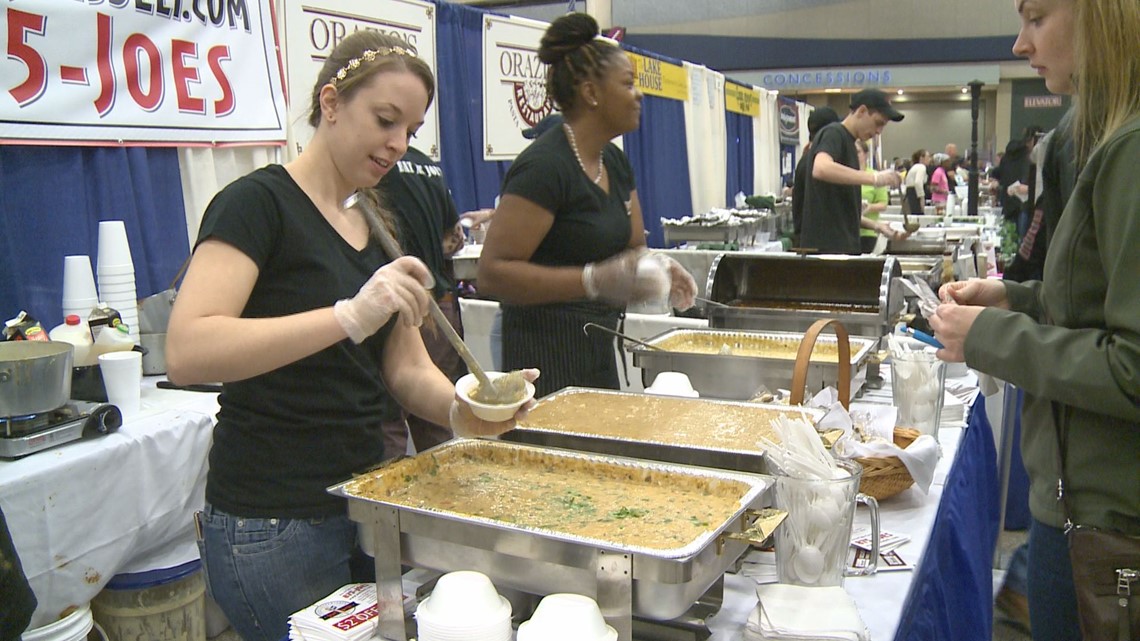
{"x":588,"y":326}
{"x":503,"y":389}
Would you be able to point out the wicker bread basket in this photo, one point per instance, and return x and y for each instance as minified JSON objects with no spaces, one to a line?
{"x":884,"y":477}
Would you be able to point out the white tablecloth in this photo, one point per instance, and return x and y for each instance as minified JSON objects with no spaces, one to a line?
{"x":85,"y":511}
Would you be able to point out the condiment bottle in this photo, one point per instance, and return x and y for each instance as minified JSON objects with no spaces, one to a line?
{"x":74,"y":330}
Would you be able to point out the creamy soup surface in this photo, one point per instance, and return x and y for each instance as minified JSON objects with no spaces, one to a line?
{"x":626,"y":505}
{"x":660,"y":419}
{"x":743,"y":345}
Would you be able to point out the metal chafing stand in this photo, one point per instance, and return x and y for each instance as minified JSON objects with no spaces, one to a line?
{"x":625,"y":580}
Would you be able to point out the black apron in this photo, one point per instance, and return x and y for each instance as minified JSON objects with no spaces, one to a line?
{"x":912,"y":204}
{"x":550,"y":337}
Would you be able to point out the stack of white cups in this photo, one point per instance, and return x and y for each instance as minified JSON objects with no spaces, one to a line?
{"x":116,"y":274}
{"x":464,"y":606}
{"x":79,"y":295}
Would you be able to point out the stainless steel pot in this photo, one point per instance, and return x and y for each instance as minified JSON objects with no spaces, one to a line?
{"x":35,"y":376}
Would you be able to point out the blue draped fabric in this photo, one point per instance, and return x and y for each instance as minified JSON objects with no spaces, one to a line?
{"x":951,"y":597}
{"x":657,"y":151}
{"x":51,"y":202}
{"x":474,"y":182}
{"x":738,"y":131}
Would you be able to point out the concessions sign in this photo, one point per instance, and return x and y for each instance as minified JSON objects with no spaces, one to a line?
{"x":658,"y":78}
{"x":741,"y":99}
{"x":514,"y":84}
{"x":314,"y":27}
{"x":140,"y":72}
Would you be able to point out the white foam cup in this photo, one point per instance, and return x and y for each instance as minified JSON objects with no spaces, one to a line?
{"x":465,"y":594}
{"x":566,"y":617}
{"x":122,"y":377}
{"x":78,"y":281}
{"x":113,"y":246}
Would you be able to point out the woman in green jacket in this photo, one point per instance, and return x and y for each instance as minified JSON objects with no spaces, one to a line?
{"x":1072,"y":341}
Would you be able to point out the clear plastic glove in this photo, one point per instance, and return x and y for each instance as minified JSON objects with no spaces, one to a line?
{"x":985,"y":292}
{"x":625,"y":278}
{"x":464,"y":423}
{"x":887,"y":178}
{"x":400,"y":287}
{"x":683,"y":289}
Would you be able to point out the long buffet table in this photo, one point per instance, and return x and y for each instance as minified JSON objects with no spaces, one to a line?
{"x":85,"y":511}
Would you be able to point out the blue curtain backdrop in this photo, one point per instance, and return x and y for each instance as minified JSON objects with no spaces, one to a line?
{"x":660,"y":161}
{"x":474,"y":182}
{"x":741,"y":155}
{"x":51,"y":202}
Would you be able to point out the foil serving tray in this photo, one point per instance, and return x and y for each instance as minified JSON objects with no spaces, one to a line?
{"x":707,"y":432}
{"x":739,"y":377}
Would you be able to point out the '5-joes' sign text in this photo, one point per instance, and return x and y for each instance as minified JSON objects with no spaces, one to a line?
{"x":140,"y":72}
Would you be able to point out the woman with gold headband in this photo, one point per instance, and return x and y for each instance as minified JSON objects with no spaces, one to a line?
{"x":568,"y":235}
{"x":291,"y":304}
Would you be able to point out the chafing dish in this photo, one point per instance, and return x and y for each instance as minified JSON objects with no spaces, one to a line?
{"x":740,"y":377}
{"x":786,"y":292}
{"x":626,"y":579}
{"x":709,"y":433}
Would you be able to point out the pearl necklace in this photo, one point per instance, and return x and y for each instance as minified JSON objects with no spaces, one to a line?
{"x":574,"y":148}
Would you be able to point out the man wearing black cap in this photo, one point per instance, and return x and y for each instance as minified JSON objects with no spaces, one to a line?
{"x":820,"y":117}
{"x":832,"y":213}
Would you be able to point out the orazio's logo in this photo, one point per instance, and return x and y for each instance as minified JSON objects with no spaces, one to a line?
{"x":526,"y":74}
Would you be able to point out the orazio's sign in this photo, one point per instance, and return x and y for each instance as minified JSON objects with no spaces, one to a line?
{"x":514,"y":84}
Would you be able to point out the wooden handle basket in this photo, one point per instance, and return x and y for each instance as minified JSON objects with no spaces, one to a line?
{"x":884,"y":477}
{"x":803,"y":360}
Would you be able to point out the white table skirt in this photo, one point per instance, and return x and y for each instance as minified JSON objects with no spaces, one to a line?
{"x":85,"y":511}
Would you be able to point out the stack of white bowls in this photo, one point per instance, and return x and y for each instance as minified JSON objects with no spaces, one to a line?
{"x":567,"y":617}
{"x":79,"y":294}
{"x":116,"y":274}
{"x":464,"y":606}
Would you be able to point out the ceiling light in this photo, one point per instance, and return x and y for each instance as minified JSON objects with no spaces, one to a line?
{"x":832,"y":90}
{"x":965,"y":90}
{"x":900,"y":92}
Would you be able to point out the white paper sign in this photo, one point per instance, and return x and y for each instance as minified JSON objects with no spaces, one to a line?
{"x":157,"y":72}
{"x":514,"y":84}
{"x":314,"y":27}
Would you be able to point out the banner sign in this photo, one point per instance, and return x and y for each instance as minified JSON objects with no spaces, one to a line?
{"x":514,"y":84}
{"x":314,"y":27}
{"x":658,"y":78}
{"x":789,"y":117}
{"x":1044,"y":102}
{"x":741,"y":99}
{"x":140,"y":72}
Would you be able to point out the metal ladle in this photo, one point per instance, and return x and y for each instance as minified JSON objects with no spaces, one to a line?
{"x":507,"y":388}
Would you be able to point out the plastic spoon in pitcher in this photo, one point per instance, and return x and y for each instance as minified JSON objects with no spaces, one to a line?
{"x":507,"y":388}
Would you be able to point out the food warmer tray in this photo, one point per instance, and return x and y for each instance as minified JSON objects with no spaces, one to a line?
{"x":787,"y":293}
{"x":591,"y":436}
{"x":739,"y":377}
{"x":659,"y":584}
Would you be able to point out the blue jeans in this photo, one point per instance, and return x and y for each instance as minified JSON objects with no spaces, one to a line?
{"x":1016,"y":576}
{"x":1052,"y":599}
{"x":260,"y":571}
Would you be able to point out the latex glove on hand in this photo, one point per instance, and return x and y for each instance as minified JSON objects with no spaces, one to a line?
{"x":887,"y":178}
{"x":631,"y":276}
{"x":400,"y":287}
{"x":464,"y":423}
{"x":951,"y":323}
{"x":683,"y":289}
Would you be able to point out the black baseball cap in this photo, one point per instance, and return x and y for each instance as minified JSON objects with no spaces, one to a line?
{"x":819,"y":118}
{"x":875,"y":100}
{"x":546,"y":124}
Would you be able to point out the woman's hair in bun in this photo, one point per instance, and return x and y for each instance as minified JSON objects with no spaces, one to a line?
{"x":574,"y":54}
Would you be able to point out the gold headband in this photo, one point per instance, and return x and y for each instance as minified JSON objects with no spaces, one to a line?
{"x":368,"y":56}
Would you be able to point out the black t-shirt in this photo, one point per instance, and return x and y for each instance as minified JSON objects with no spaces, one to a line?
{"x":589,"y":224}
{"x":417,"y":194}
{"x":799,"y":183}
{"x":284,"y":436}
{"x":832,"y":212}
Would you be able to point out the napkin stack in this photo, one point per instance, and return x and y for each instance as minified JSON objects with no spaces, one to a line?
{"x":348,"y":614}
{"x":797,"y":613}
